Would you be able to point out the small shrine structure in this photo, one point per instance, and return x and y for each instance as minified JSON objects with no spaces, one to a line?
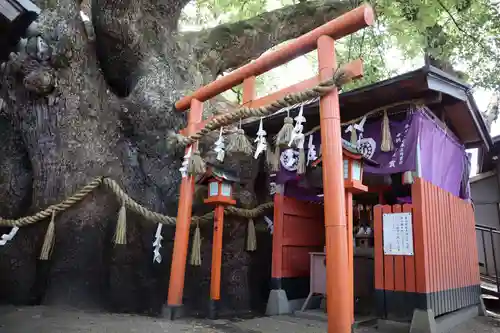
{"x":411,"y":212}
{"x":374,"y":183}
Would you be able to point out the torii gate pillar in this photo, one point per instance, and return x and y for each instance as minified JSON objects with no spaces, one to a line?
{"x":338,"y":294}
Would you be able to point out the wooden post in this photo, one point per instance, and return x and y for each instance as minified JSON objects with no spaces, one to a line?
{"x":248,"y":90}
{"x":337,"y":264}
{"x":216,"y":260}
{"x":181,"y":240}
{"x":350,"y":248}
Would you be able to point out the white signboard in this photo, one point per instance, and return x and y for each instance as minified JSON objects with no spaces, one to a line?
{"x":398,"y":234}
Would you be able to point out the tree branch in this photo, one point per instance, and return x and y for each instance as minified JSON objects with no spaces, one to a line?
{"x":231,"y":45}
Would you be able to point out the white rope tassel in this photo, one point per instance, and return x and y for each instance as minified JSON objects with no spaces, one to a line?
{"x":386,"y":144}
{"x":261,"y":140}
{"x":219,"y":147}
{"x":157,"y":244}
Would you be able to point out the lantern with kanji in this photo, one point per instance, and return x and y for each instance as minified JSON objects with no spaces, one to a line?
{"x":220,"y":193}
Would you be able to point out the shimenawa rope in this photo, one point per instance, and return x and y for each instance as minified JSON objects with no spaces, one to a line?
{"x":339,"y":78}
{"x":128,"y":202}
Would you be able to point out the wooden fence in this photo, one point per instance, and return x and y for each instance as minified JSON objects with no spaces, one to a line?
{"x":443,"y":273}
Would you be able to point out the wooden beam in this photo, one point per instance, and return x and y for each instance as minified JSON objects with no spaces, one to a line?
{"x":353,"y":70}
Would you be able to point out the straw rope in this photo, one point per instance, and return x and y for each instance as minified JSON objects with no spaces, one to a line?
{"x":130,"y":203}
{"x":338,"y":79}
{"x":372,"y":113}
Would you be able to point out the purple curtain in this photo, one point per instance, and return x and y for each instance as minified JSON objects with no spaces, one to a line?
{"x":442,"y":158}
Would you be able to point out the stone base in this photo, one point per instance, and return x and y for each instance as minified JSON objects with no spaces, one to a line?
{"x":212,"y":309}
{"x":447,"y":322}
{"x":423,"y":321}
{"x":277,"y":304}
{"x":172,"y":312}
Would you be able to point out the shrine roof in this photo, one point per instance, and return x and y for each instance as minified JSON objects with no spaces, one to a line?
{"x":445,"y":95}
{"x":218,"y":172}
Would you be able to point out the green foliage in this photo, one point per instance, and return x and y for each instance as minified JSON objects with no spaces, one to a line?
{"x":462,"y":33}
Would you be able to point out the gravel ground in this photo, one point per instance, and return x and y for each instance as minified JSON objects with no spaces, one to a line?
{"x":56,"y":320}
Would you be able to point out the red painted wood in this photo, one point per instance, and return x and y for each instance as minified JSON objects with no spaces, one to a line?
{"x":388,"y":260}
{"x":409,"y":261}
{"x":378,"y":247}
{"x":399,"y":263}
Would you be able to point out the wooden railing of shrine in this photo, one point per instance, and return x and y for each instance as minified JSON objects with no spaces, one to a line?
{"x":443,"y":273}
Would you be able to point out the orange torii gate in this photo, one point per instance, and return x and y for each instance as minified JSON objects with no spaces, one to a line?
{"x":339,"y":305}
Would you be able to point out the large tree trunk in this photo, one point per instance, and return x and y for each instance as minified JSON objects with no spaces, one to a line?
{"x":65,"y":124}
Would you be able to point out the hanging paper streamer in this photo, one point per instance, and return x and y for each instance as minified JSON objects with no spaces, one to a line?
{"x":261,"y":141}
{"x":270,"y":224}
{"x":219,"y":147}
{"x":185,"y":163}
{"x":298,"y":128}
{"x":8,"y":237}
{"x":157,"y":244}
{"x":311,"y":151}
{"x":354,"y":129}
{"x":298,"y":139}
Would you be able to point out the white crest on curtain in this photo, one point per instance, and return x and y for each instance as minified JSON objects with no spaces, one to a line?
{"x":8,"y":237}
{"x":289,"y":159}
{"x":157,"y":244}
{"x":219,"y":147}
{"x":261,"y":140}
{"x":367,"y":147}
{"x":184,"y":168}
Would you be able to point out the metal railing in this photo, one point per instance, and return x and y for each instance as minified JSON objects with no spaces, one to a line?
{"x":488,"y":242}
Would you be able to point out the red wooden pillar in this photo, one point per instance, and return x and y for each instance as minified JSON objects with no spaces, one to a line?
{"x":350,"y":249}
{"x":216,"y":260}
{"x":337,"y":264}
{"x":181,"y":240}
{"x":248,"y":90}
